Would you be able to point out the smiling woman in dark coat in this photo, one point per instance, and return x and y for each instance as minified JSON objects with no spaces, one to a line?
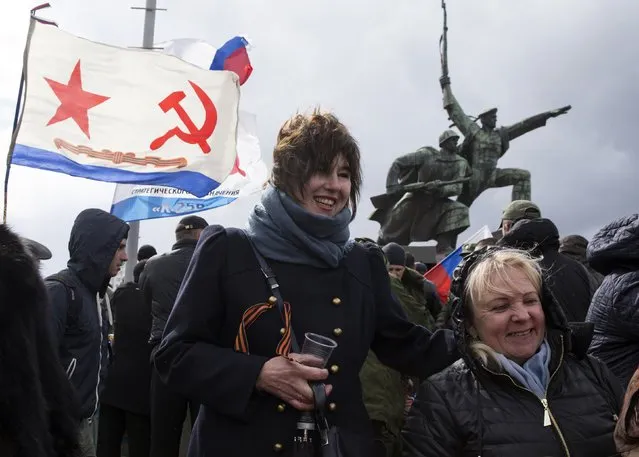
{"x":225,"y":341}
{"x":525,"y":386}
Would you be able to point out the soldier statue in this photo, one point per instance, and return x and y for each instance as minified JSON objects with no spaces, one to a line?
{"x":417,"y":204}
{"x":484,"y":146}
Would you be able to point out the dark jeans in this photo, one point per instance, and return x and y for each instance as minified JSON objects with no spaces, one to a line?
{"x":114,"y":422}
{"x":168,"y":412}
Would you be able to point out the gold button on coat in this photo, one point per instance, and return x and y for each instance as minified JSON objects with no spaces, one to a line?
{"x":334,"y":369}
{"x":332,"y":406}
{"x":272,"y":300}
{"x":277,"y":447}
{"x":281,"y":407}
{"x":337,"y":331}
{"x":337,"y":301}
{"x":282,"y":331}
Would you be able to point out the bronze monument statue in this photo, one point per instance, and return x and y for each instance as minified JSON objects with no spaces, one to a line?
{"x":417,"y":204}
{"x":484,"y":146}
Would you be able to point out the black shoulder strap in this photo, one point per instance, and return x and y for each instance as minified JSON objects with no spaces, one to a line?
{"x":275,"y":288}
{"x":62,"y":279}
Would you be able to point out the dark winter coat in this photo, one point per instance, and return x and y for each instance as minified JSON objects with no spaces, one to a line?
{"x":568,"y":279}
{"x":614,"y":252}
{"x":160,"y":281}
{"x":79,"y":325}
{"x":38,"y":413}
{"x":351,"y":303}
{"x":128,"y":382}
{"x":468,"y":410}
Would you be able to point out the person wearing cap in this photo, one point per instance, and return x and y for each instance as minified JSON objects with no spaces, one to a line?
{"x":37,"y":250}
{"x":160,"y":282}
{"x":484,"y":146}
{"x":516,"y":211}
{"x":427,"y":212}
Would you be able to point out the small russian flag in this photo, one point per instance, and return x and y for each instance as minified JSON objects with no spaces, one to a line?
{"x":442,"y":274}
{"x":233,"y":56}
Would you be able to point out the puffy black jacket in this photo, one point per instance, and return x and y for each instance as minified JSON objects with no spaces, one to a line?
{"x":79,"y":326}
{"x":467,"y":410}
{"x":160,"y":282}
{"x":614,"y":252}
{"x":567,"y":279}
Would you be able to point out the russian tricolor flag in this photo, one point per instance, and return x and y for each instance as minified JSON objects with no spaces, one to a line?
{"x":232,"y":56}
{"x":442,"y":274}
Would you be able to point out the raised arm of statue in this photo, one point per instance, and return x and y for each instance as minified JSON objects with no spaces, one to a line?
{"x":462,"y":121}
{"x":533,"y":122}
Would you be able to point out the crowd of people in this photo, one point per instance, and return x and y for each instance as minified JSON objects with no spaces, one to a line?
{"x":533,"y":354}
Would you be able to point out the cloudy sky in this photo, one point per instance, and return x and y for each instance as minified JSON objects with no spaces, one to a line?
{"x":376,"y":64}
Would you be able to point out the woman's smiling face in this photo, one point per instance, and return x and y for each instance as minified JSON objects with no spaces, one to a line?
{"x":510,"y":321}
{"x":327,"y":194}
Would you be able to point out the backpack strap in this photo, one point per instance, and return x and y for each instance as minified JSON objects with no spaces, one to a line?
{"x":63,"y":279}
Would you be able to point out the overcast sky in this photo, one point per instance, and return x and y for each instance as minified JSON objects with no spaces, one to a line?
{"x":376,"y":64}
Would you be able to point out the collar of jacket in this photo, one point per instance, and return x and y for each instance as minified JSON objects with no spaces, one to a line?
{"x":183,"y":244}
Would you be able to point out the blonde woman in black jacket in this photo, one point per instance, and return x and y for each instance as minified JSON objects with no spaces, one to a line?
{"x":524,"y":386}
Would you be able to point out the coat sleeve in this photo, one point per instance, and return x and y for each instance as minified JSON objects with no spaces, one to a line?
{"x":59,"y":300}
{"x":609,"y":382}
{"x":462,"y":121}
{"x":429,"y":429}
{"x":408,"y":348}
{"x":191,"y":358}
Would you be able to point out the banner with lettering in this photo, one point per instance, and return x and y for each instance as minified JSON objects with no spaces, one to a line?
{"x":134,"y":202}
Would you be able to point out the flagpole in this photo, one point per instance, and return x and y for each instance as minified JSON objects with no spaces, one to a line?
{"x":134,"y":227}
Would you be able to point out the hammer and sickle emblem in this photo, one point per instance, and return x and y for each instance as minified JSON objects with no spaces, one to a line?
{"x":194,"y":135}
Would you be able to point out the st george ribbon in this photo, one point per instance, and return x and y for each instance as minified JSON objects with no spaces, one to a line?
{"x":124,"y":115}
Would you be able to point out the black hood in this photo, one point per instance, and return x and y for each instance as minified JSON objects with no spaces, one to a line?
{"x":616,"y":246}
{"x":535,"y":235}
{"x":555,"y":318}
{"x":95,"y":238}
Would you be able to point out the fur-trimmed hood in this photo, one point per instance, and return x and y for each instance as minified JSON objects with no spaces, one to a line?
{"x":36,"y":400}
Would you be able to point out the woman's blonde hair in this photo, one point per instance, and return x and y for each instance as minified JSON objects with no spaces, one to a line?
{"x":484,"y":278}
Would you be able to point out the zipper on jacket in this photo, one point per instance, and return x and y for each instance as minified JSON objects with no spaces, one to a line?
{"x":97,"y":386}
{"x":548,"y":417}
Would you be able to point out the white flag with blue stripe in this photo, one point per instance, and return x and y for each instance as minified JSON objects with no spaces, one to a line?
{"x":124,"y":115}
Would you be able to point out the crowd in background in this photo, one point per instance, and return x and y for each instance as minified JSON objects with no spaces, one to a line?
{"x":533,"y":353}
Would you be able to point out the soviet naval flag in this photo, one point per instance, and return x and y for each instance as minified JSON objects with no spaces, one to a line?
{"x":124,"y":115}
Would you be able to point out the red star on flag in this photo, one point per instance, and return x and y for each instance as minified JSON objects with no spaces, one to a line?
{"x":74,"y":101}
{"x":236,"y":167}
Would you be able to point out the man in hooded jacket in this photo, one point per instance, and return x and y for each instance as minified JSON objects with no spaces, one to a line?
{"x":97,"y":249}
{"x":567,"y":279}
